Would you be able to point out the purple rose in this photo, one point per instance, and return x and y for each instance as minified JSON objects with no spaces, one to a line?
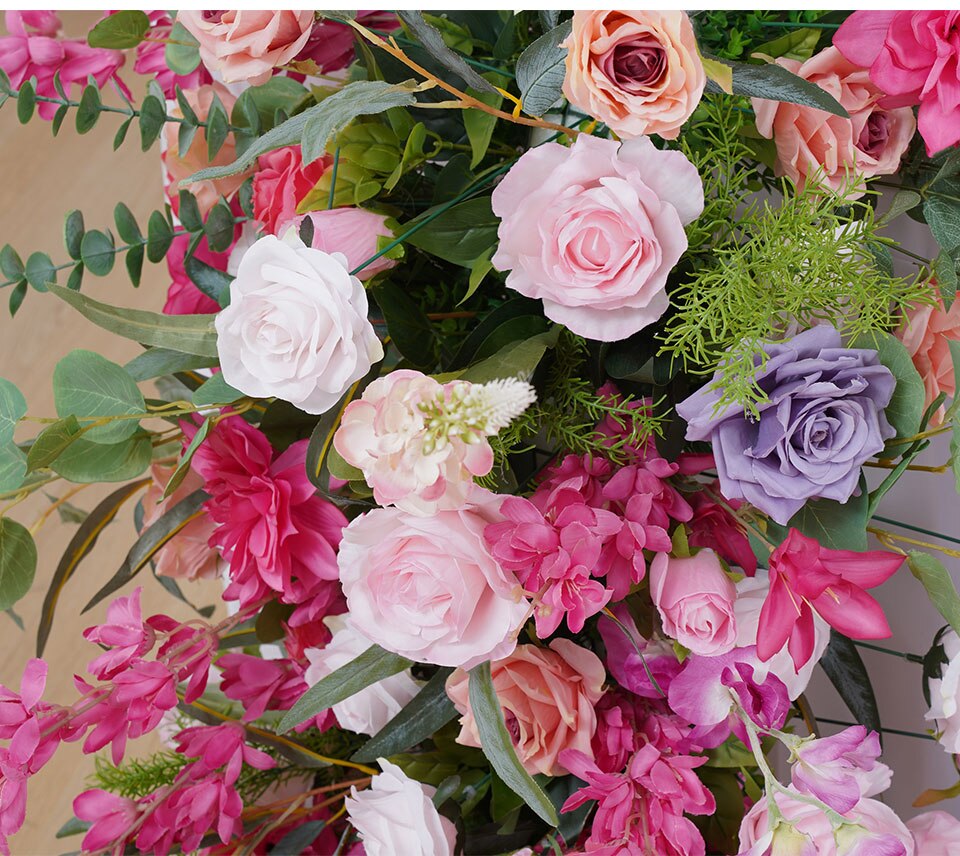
{"x":823,"y":419}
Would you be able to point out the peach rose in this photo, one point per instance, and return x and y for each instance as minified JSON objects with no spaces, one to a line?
{"x":195,"y":158}
{"x":548,"y":696}
{"x":247,"y":45}
{"x":925,"y":334}
{"x":639,"y":72}
{"x":187,"y":555}
{"x":836,"y":152}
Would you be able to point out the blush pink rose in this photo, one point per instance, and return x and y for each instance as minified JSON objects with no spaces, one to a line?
{"x":427,"y":588}
{"x":914,"y":57}
{"x":695,"y":599}
{"x":188,"y":554}
{"x":281,"y":183}
{"x":548,"y":697}
{"x":356,"y":233}
{"x":195,"y":158}
{"x":816,"y":146}
{"x":247,"y":45}
{"x":595,"y":229}
{"x":639,"y":72}
{"x":925,"y":333}
{"x":936,"y":833}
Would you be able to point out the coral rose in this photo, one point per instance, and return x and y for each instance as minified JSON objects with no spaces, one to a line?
{"x":595,"y":229}
{"x":926,"y":332}
{"x":296,"y":327}
{"x":838,"y":153}
{"x":247,"y":45}
{"x":639,"y":72}
{"x":548,"y":696}
{"x":280,"y":184}
{"x":427,"y":588}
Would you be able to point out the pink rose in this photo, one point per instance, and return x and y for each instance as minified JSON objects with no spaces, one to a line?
{"x":936,"y":833}
{"x":548,"y":696}
{"x":195,"y":158}
{"x":280,"y":185}
{"x":813,"y":145}
{"x":695,"y":598}
{"x":427,"y":588}
{"x":925,"y":333}
{"x":639,"y":72}
{"x":356,"y":233}
{"x":595,"y":229}
{"x":187,"y":555}
{"x":913,"y":57}
{"x":247,"y":45}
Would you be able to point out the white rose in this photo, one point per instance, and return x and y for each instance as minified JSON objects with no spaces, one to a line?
{"x":367,"y":711}
{"x":296,"y":327}
{"x":395,"y":816}
{"x":751,"y":593}
{"x":945,"y":695}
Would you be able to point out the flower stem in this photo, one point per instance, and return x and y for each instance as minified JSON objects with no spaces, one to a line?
{"x":913,"y":658}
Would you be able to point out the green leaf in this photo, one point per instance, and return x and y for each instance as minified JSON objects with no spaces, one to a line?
{"x":480,"y":125}
{"x":477,"y":345}
{"x":219,"y":227}
{"x":541,"y":69}
{"x":153,"y":115}
{"x":774,"y":83}
{"x":371,"y":666}
{"x":479,"y":269}
{"x":408,"y":326}
{"x":127,"y":227}
{"x":97,"y":252}
{"x":58,"y":119}
{"x":218,"y":127}
{"x":419,"y":719}
{"x":13,"y":467}
{"x":432,"y":41}
{"x":907,"y":404}
{"x":498,"y":747}
{"x":846,"y":671}
{"x":16,"y":296}
{"x":121,"y":134}
{"x":133,"y":262}
{"x":40,"y":271}
{"x":945,"y":271}
{"x":89,"y":110}
{"x":211,"y":281}
{"x":518,"y":359}
{"x":461,"y":235}
{"x":13,"y":407}
{"x":836,"y":526}
{"x":84,"y":462}
{"x":18,"y":561}
{"x":120,"y":30}
{"x":73,"y":233}
{"x":10,"y":263}
{"x":26,"y":102}
{"x":73,"y":827}
{"x":215,"y":391}
{"x":362,"y":97}
{"x":51,"y":442}
{"x":79,"y":547}
{"x":795,"y":44}
{"x":86,"y":384}
{"x":939,"y":585}
{"x":159,"y":237}
{"x":903,"y":201}
{"x":150,"y":541}
{"x":189,"y":212}
{"x":943,"y":217}
{"x":340,"y":469}
{"x":155,"y":362}
{"x":192,"y":334}
{"x":182,"y":53}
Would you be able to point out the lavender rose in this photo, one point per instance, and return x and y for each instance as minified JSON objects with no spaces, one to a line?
{"x":824,"y":418}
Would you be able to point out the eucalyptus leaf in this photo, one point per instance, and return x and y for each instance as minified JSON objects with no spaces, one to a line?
{"x":120,"y":30}
{"x":939,"y":585}
{"x":18,"y":561}
{"x":182,"y":53}
{"x":84,"y":462}
{"x":13,"y":467}
{"x":13,"y":407}
{"x":51,"y":442}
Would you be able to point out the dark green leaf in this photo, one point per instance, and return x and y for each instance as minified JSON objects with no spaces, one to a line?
{"x":127,"y":227}
{"x":408,"y":326}
{"x":518,"y":359}
{"x":517,"y":307}
{"x":26,"y":102}
{"x":185,"y":136}
{"x":480,"y":125}
{"x":58,"y":118}
{"x":541,"y":69}
{"x":371,"y":666}
{"x":842,"y":664}
{"x":120,"y":30}
{"x":87,"y":385}
{"x":939,"y":585}
{"x":192,"y":334}
{"x":903,"y":201}
{"x":299,"y":839}
{"x":426,"y":714}
{"x":189,"y":212}
{"x":79,"y":547}
{"x":159,"y":237}
{"x":155,"y":362}
{"x":121,"y":134}
{"x":945,"y":271}
{"x":10,"y":263}
{"x":17,"y":294}
{"x":18,"y":561}
{"x":218,"y":127}
{"x":134,"y":264}
{"x":97,"y":252}
{"x":182,"y":53}
{"x":73,"y":233}
{"x":51,"y":442}
{"x":460,"y":235}
{"x":432,"y":41}
{"x":836,"y":526}
{"x":73,"y":827}
{"x":153,"y":115}
{"x":211,"y":281}
{"x":150,"y":541}
{"x":84,"y":462}
{"x":498,"y":747}
{"x":548,"y":20}
{"x":89,"y":110}
{"x":906,"y":406}
{"x":774,"y":83}
{"x":40,"y":271}
{"x":219,"y":227}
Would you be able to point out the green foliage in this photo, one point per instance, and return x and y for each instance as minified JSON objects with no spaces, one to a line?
{"x":541,"y":69}
{"x":18,"y":561}
{"x":731,"y":34}
{"x":120,"y":30}
{"x":938,"y":584}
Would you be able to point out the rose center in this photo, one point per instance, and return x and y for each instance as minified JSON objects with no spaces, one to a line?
{"x":875,"y":133}
{"x":638,"y":64}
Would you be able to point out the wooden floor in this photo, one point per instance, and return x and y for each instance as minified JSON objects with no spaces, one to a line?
{"x":43,"y":178}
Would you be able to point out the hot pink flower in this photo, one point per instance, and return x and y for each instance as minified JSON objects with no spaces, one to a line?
{"x":277,"y":534}
{"x":124,"y":633}
{"x":616,"y":737}
{"x":216,"y":746}
{"x":110,"y":816}
{"x":187,"y":652}
{"x":645,"y":667}
{"x":913,"y":57}
{"x":280,"y":184}
{"x":259,"y":684}
{"x":188,"y":814}
{"x":714,"y":527}
{"x":331,"y":45}
{"x":806,"y":578}
{"x":32,"y":49}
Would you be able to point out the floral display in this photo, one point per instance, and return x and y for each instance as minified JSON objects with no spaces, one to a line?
{"x":528,"y":387}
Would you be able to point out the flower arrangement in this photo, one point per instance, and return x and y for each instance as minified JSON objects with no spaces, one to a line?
{"x":518,"y":375}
